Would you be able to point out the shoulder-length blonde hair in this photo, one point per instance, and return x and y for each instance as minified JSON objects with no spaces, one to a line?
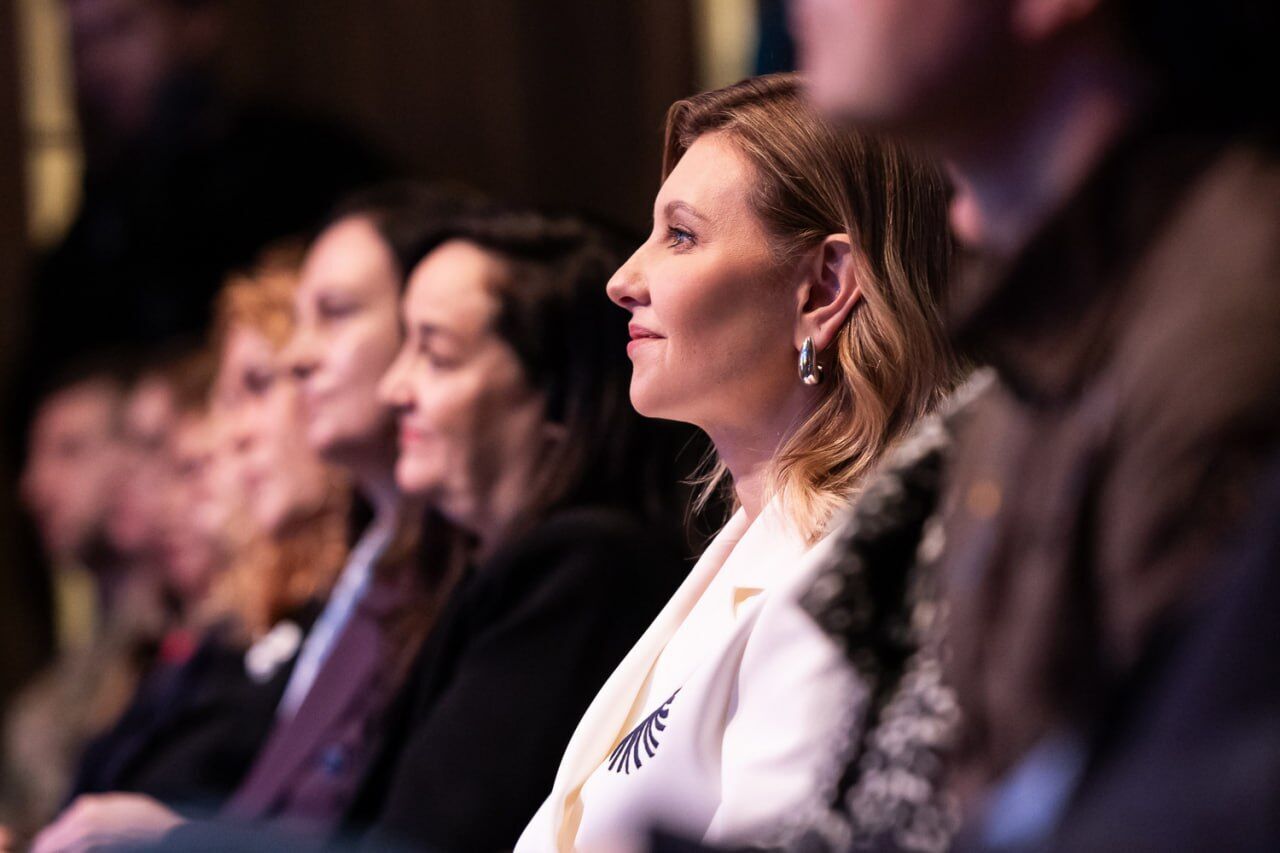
{"x":890,"y":362}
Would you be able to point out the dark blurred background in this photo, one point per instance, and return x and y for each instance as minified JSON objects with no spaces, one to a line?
{"x":149,"y":146}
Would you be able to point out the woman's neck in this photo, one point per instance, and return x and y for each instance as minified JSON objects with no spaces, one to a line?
{"x":498,"y":510}
{"x":372,"y":469}
{"x":380,"y":490}
{"x":749,"y":451}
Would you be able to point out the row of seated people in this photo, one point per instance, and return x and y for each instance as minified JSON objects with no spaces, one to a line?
{"x":536,"y":679}
{"x":506,"y":637}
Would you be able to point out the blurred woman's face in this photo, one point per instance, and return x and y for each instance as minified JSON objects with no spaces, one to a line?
{"x":74,"y":466}
{"x":135,"y":520}
{"x":346,"y":337}
{"x":712,"y":320}
{"x":279,"y":475}
{"x":195,"y":547}
{"x":470,"y":423}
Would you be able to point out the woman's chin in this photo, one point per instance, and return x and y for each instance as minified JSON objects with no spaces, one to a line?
{"x":644,"y":399}
{"x":416,"y":480}
{"x":653,"y":402}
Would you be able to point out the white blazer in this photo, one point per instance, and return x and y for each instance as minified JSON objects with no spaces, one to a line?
{"x":727,"y":719}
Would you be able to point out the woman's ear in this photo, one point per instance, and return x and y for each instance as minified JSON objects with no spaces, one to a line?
{"x":828,"y":292}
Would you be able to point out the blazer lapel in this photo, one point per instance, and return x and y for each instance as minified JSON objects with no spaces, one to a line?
{"x":604,"y":719}
{"x":756,"y":557}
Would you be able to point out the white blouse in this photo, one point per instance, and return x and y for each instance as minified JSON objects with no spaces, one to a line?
{"x":724,"y":722}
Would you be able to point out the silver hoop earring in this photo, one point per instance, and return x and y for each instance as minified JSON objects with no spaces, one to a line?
{"x":810,"y":370}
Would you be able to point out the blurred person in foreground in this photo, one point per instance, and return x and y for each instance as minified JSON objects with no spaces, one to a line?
{"x":330,"y":720}
{"x":1118,"y":179}
{"x":786,"y":303}
{"x":195,"y":726}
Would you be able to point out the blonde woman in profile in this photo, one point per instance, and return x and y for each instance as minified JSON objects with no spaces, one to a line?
{"x":786,"y":303}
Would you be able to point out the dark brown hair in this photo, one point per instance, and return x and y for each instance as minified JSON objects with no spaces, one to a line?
{"x":407,"y":215}
{"x":571,"y":341}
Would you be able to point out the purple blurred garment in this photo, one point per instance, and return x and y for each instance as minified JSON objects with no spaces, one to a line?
{"x":307,"y":773}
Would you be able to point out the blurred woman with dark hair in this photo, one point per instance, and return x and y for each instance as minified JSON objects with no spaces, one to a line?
{"x":511,"y":389}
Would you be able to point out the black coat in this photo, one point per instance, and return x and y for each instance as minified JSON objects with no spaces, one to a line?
{"x":498,"y":689}
{"x":191,"y":731}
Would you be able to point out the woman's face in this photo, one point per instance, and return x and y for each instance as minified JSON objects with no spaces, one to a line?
{"x":280,"y":476}
{"x":195,"y":545}
{"x":470,"y":424}
{"x":346,"y":337}
{"x":134,"y":523}
{"x":712,"y":315}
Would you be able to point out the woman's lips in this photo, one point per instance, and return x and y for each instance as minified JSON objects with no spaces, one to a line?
{"x":640,"y":336}
{"x":411,"y":435}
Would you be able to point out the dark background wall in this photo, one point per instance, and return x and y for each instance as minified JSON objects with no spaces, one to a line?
{"x":552,"y":101}
{"x":24,"y":619}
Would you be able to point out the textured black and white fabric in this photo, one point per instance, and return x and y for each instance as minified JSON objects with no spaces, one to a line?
{"x":879,"y":600}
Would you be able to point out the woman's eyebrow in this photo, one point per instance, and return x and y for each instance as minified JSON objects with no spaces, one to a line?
{"x":683,"y":207}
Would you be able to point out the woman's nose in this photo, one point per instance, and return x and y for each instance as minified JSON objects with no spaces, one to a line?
{"x":626,"y":287}
{"x":393,"y":389}
{"x":241,"y":438}
{"x":301,"y":356}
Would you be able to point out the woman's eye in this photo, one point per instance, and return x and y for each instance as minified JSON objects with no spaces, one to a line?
{"x":258,"y":383}
{"x":678,"y":236}
{"x":437,"y":360}
{"x":332,"y":310}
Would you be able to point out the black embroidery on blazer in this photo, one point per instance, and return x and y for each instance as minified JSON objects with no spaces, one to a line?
{"x":643,"y":737}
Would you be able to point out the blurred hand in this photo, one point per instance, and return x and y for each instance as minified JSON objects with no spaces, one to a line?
{"x":96,"y":822}
{"x":6,"y":840}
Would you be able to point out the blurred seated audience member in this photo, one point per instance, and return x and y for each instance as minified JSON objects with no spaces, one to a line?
{"x":1118,"y":176}
{"x":74,"y":466}
{"x":195,"y":515}
{"x":108,"y":611}
{"x":511,"y":390}
{"x":196,"y":725}
{"x":786,"y":303}
{"x":354,"y":660}
{"x":135,"y":516}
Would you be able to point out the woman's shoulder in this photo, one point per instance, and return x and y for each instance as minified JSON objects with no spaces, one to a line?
{"x":596,"y":546}
{"x":584,"y":528}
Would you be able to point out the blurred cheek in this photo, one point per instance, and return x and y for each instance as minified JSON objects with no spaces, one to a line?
{"x":449,"y":410}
